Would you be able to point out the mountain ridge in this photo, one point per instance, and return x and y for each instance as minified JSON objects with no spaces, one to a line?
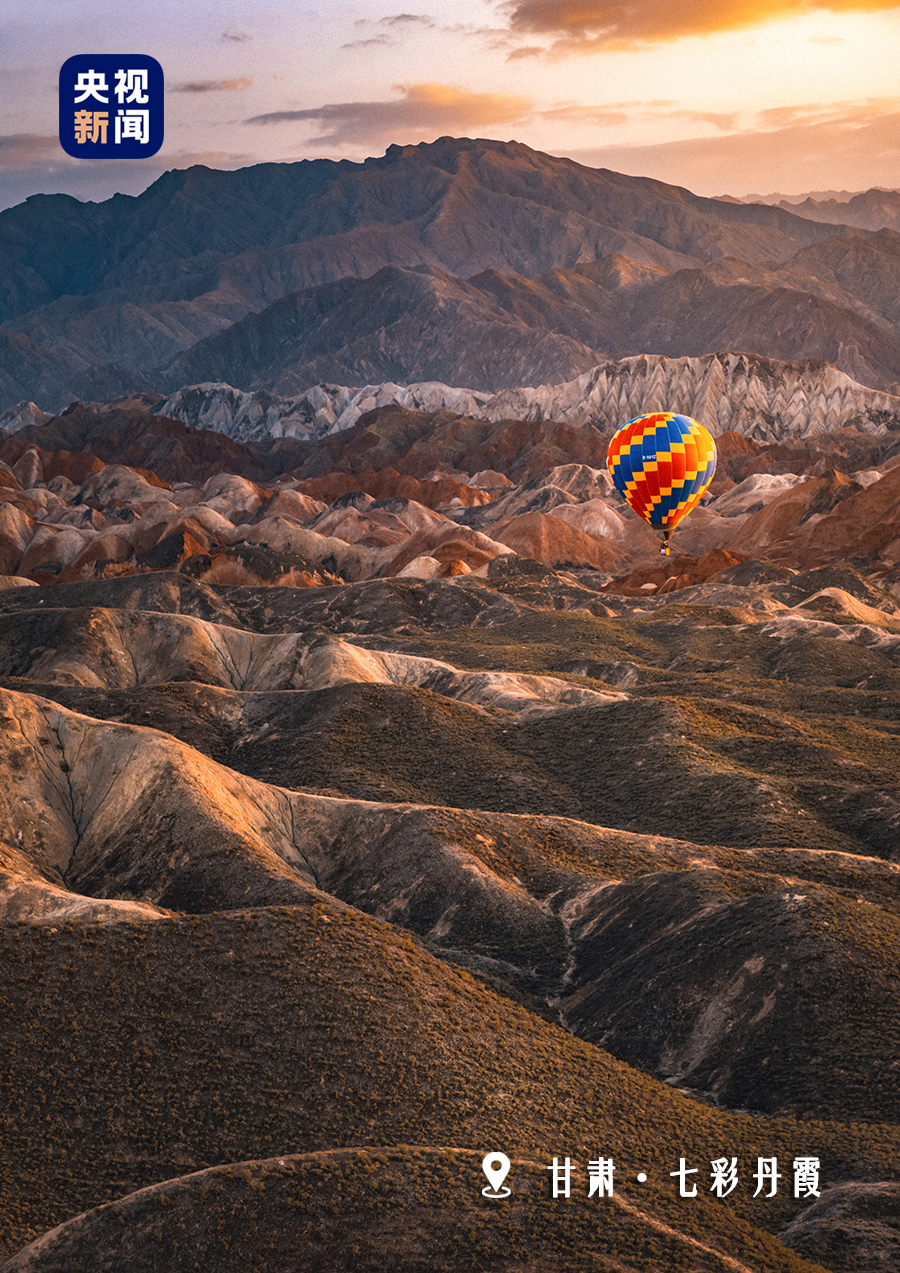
{"x":836,"y":301}
{"x":96,"y":297}
{"x":759,"y":397}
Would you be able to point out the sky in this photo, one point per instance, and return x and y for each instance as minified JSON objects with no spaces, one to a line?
{"x":734,"y":97}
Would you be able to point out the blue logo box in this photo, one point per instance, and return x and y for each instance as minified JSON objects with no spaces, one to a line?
{"x":111,"y":106}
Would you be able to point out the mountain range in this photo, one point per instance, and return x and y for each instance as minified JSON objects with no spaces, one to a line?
{"x":868,"y":209}
{"x":472,"y":262}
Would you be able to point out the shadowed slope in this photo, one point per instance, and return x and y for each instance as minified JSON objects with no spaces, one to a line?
{"x":421,"y":1209}
{"x":242,"y":1038}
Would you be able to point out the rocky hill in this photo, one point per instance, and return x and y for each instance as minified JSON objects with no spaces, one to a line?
{"x":124,"y":489}
{"x":761,"y":398}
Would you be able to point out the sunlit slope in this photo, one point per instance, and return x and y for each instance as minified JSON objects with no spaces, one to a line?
{"x":765,"y":979}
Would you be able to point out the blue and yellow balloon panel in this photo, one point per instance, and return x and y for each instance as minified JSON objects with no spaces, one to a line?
{"x":662,"y":463}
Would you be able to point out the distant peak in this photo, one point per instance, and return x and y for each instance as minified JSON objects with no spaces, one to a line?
{"x":457,"y":146}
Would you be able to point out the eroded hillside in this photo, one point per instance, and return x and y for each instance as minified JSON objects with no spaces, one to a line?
{"x":362,"y":817}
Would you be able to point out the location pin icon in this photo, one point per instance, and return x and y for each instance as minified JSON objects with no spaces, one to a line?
{"x":496,"y":1167}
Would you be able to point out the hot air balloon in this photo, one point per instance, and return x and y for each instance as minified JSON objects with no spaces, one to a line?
{"x":662,"y":463}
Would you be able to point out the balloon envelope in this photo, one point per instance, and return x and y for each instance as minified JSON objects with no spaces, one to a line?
{"x":662,"y":463}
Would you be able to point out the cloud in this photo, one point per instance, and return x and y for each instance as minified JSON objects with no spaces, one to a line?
{"x":850,"y":145}
{"x":612,"y":114}
{"x":235,"y":34}
{"x":598,"y":116}
{"x":588,"y":25}
{"x":495,"y":39}
{"x":423,"y":108}
{"x":725,"y":121}
{"x":783,"y":116}
{"x":397,"y":20}
{"x":32,"y":150}
{"x":843,"y":114}
{"x":19,"y":150}
{"x":367,"y":43}
{"x":407,"y":19}
{"x":213,"y":86}
{"x":207,"y":158}
{"x":527,"y":50}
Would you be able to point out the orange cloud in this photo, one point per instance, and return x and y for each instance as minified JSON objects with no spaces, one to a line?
{"x":725,"y":121}
{"x":598,"y":116}
{"x":527,"y":50}
{"x":625,"y":24}
{"x":615,"y":113}
{"x":854,"y":146}
{"x":18,"y":150}
{"x":845,"y":115}
{"x":214,"y":86}
{"x":426,"y":108}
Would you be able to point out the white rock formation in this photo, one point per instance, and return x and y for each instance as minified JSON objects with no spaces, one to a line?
{"x":21,"y":416}
{"x":758,"y":397}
